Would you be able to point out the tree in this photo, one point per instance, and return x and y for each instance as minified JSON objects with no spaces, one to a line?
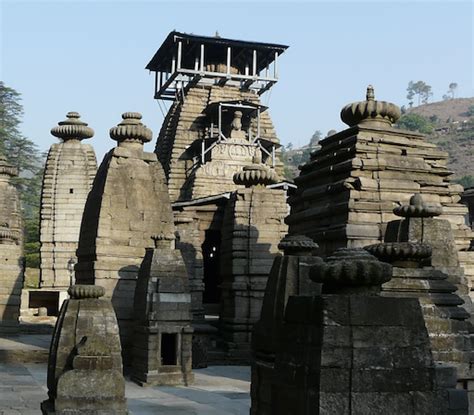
{"x":313,"y":142}
{"x":420,"y":89}
{"x":415,"y":122}
{"x":452,"y":88}
{"x":25,"y":155}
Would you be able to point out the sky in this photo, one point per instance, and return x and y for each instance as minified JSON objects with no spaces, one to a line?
{"x":89,"y":56}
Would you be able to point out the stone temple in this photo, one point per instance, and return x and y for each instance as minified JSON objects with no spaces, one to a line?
{"x":215,"y":127}
{"x":70,"y":169}
{"x":127,"y":206}
{"x":349,"y":296}
{"x":11,"y":250}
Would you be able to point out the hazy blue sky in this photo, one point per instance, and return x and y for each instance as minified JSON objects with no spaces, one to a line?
{"x":89,"y":56}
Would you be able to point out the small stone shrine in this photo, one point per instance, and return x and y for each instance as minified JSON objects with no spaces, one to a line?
{"x":347,"y":191}
{"x":162,"y":339}
{"x":70,"y":169}
{"x":85,"y":362}
{"x":289,"y":276}
{"x":342,"y":352}
{"x":417,"y":246}
{"x":215,"y":126}
{"x":127,"y":205}
{"x":253,"y":222}
{"x":11,"y":250}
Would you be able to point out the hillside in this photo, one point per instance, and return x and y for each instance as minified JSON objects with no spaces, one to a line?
{"x":448,"y":124}
{"x":452,"y":125}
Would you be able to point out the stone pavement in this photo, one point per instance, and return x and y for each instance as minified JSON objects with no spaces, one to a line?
{"x":217,"y":390}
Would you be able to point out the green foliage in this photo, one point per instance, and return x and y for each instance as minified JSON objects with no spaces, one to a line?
{"x":415,"y":122}
{"x":470,"y":111}
{"x":32,"y":257}
{"x":25,"y":155}
{"x":465,"y":181}
{"x":420,"y":89}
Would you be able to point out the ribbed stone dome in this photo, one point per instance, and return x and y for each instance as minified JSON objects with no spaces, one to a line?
{"x":398,"y":251}
{"x":131,"y":129}
{"x":370,"y":111}
{"x":348,"y":267}
{"x":256,"y":174}
{"x":297,"y":243}
{"x":418,"y":209}
{"x":72,"y":128}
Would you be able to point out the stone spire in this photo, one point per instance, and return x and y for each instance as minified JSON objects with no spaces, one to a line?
{"x":256,"y":174}
{"x":72,"y":128}
{"x":377,"y":113}
{"x":131,"y":130}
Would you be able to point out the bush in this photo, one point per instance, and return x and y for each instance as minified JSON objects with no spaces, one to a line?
{"x":415,"y":122}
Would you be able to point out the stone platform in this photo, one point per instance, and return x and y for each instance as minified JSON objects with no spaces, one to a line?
{"x":217,"y":390}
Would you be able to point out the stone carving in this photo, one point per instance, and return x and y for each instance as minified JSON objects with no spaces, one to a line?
{"x":85,"y":364}
{"x":127,"y":205}
{"x":70,"y":169}
{"x":11,"y":250}
{"x":418,"y":209}
{"x":370,"y":111}
{"x":256,"y":174}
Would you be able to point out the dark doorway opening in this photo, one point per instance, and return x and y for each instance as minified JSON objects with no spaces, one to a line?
{"x":211,"y":249}
{"x":168,"y":349}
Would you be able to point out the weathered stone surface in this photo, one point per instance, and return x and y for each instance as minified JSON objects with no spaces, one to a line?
{"x":127,"y":205}
{"x":11,"y":250}
{"x":85,"y":363}
{"x":361,"y":174}
{"x":252,"y":227}
{"x":163,"y":333}
{"x":70,"y":169}
{"x":351,"y":352}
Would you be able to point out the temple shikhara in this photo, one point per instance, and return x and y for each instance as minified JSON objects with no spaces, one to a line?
{"x":346,"y":292}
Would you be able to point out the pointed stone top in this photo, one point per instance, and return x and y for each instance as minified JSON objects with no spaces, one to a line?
{"x":6,"y":169}
{"x":418,"y":209}
{"x":72,"y":128}
{"x":256,"y":174}
{"x":377,"y":113}
{"x":131,"y":129}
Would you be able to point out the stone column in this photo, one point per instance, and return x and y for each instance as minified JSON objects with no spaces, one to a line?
{"x":11,"y":251}
{"x":70,"y":169}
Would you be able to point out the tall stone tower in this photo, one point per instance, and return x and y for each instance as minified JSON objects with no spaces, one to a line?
{"x":70,"y":169}
{"x":214,"y":127}
{"x":127,"y":206}
{"x":11,"y":250}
